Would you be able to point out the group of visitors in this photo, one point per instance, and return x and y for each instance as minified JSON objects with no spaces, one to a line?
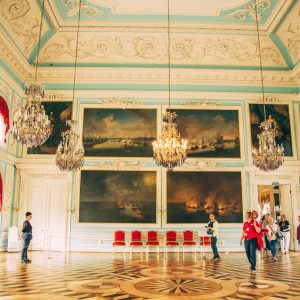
{"x":251,"y":235}
{"x":274,"y":232}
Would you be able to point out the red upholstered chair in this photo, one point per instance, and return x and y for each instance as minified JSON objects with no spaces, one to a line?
{"x":188,"y":240}
{"x":205,"y":241}
{"x":152,"y":240}
{"x":136,"y":239}
{"x":171,"y":240}
{"x":119,"y":240}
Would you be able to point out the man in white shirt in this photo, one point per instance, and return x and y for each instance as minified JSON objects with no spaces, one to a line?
{"x":213,"y":230}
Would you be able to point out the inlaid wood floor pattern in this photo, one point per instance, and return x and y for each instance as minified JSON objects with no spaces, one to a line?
{"x":68,"y":276}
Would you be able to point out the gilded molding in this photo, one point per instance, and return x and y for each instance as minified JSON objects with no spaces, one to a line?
{"x":248,"y":11}
{"x":120,"y":102}
{"x":204,"y":165}
{"x":201,"y":103}
{"x":119,"y":165}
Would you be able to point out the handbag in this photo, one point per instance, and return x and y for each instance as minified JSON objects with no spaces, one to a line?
{"x":278,"y":234}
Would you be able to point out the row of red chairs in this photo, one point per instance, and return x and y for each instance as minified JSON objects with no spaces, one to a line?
{"x":152,"y":239}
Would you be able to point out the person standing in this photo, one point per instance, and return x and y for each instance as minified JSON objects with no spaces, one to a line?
{"x":213,"y":230}
{"x":284,"y":226}
{"x":272,"y":238}
{"x":251,"y":230}
{"x":26,"y":236}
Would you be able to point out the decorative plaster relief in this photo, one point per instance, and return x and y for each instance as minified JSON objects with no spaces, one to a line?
{"x":293,"y":41}
{"x":201,"y":103}
{"x":120,"y":102}
{"x":289,"y":32}
{"x":87,"y":9}
{"x":248,"y":11}
{"x":269,"y":99}
{"x":6,"y":90}
{"x":193,"y":49}
{"x":23,"y":20}
{"x":204,"y":165}
{"x":119,"y":165}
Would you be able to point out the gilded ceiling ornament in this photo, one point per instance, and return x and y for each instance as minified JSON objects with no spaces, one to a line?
{"x":248,"y":11}
{"x":87,"y":8}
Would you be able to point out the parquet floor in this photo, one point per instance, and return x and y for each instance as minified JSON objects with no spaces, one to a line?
{"x":102,"y":276}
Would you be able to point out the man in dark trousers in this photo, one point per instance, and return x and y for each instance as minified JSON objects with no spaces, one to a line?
{"x":213,"y":231}
{"x":26,"y":236}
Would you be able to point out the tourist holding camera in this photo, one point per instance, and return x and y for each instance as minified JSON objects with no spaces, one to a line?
{"x":251,"y":231}
{"x":213,"y":230}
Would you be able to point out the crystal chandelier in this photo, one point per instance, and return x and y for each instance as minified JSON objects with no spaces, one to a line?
{"x":31,"y":126}
{"x":70,"y":152}
{"x":170,"y":150}
{"x":268,"y":156}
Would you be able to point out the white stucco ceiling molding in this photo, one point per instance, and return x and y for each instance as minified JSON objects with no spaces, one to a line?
{"x":160,"y":76}
{"x":13,"y":59}
{"x":186,"y":49}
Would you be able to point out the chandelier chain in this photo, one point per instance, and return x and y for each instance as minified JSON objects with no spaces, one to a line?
{"x":169,"y":58}
{"x":39,"y":41}
{"x":76,"y":49}
{"x":260,"y":59}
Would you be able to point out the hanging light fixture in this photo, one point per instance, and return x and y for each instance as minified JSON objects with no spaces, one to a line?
{"x":30,"y":125}
{"x":268,"y":156}
{"x":170,"y":150}
{"x":70,"y":152}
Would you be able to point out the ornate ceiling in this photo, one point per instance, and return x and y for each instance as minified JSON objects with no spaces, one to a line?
{"x":132,"y":33}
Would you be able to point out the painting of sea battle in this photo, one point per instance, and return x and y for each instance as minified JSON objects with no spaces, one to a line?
{"x":59,"y":113}
{"x":119,"y":132}
{"x":192,"y":196}
{"x":280,"y":115}
{"x":117,"y":197}
{"x":210,"y":133}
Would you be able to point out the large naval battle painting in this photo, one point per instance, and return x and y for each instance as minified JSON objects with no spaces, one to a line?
{"x":117,"y":197}
{"x":192,"y":196}
{"x":210,"y":133}
{"x":281,"y":118}
{"x":59,"y":113}
{"x":119,"y":132}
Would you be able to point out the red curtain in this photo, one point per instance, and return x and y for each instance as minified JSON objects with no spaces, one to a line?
{"x":4,"y":111}
{"x":1,"y":192}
